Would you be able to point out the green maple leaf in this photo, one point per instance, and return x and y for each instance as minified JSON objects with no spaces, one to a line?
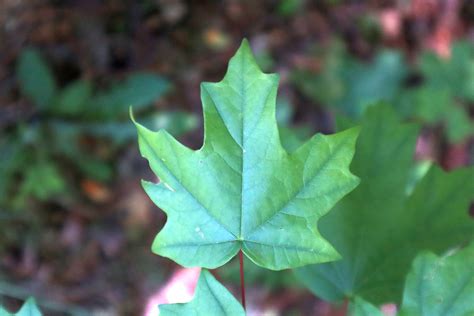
{"x":242,"y":190}
{"x":440,"y":286}
{"x":435,"y":286}
{"x":210,"y":298}
{"x":381,"y":226}
{"x":455,"y":73}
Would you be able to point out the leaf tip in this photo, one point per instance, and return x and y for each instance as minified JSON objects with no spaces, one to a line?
{"x":130,"y":113}
{"x":245,"y":44}
{"x":245,"y":50}
{"x":354,"y":131}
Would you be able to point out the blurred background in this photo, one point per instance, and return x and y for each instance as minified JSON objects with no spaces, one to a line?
{"x":75,"y":225}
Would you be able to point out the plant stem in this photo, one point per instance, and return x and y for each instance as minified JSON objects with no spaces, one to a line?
{"x":242,"y":280}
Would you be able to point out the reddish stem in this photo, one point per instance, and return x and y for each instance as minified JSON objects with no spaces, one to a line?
{"x":242,"y":280}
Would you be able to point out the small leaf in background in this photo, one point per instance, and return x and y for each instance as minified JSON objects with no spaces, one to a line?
{"x":455,"y":73}
{"x":42,"y":180}
{"x":118,"y":132}
{"x":436,"y":106}
{"x":426,"y":104}
{"x":289,"y":7}
{"x":326,"y":85}
{"x":242,"y":190}
{"x":458,"y":124}
{"x":351,"y":85}
{"x":10,"y":162}
{"x":366,"y":84}
{"x":36,"y":78}
{"x":393,"y":214}
{"x":93,"y":167}
{"x":138,"y":90}
{"x":73,"y":98}
{"x":210,"y":299}
{"x":370,"y":27}
{"x":29,"y":308}
{"x":440,"y":286}
{"x":435,"y":286}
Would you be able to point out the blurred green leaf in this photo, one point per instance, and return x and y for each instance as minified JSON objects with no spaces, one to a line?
{"x":381,"y":226}
{"x":73,"y":119}
{"x":425,"y":103}
{"x":437,"y":106}
{"x":440,"y":286}
{"x":458,"y":124}
{"x":369,"y":27}
{"x":352,"y":85}
{"x":73,"y":98}
{"x":138,"y":90}
{"x":41,"y":180}
{"x":429,"y":287}
{"x":10,"y":162}
{"x":289,"y":7}
{"x":36,"y":78}
{"x":94,"y":168}
{"x":468,"y":90}
{"x":210,"y":299}
{"x":120,"y":132}
{"x":455,"y":73}
{"x":365,"y":84}
{"x":327,"y":85}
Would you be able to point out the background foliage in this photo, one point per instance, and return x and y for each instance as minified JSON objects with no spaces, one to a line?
{"x":72,"y":214}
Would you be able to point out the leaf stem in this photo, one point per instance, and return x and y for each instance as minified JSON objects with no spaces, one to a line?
{"x":242,"y":279}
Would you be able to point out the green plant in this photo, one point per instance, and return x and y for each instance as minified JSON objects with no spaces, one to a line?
{"x":350,"y":86}
{"x":394,"y":213}
{"x":241,"y":193}
{"x":446,"y":91}
{"x":76,"y":126}
{"x":434,"y":286}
